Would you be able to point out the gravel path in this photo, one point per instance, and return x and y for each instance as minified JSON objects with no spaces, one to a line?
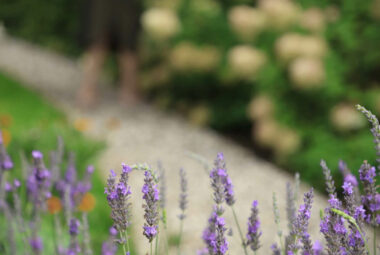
{"x":144,"y":134}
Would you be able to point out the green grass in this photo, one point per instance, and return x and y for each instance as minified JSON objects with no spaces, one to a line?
{"x":35,"y":124}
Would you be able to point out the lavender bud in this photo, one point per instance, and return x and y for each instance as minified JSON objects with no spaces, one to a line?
{"x":370,"y":199}
{"x":151,"y":197}
{"x":74,"y":232}
{"x":183,"y":194}
{"x":162,"y":181}
{"x":330,"y":186}
{"x":254,"y":233}
{"x":290,"y":206}
{"x":214,"y":235}
{"x":36,"y":245}
{"x":300,"y":225}
{"x":118,"y":196}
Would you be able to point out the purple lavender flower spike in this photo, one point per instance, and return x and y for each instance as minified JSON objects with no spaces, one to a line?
{"x":221,"y":184}
{"x":214,"y":235}
{"x":5,"y":161}
{"x":375,"y":130}
{"x":370,"y":199}
{"x":330,"y":186}
{"x":183,"y":194}
{"x":71,"y":172}
{"x":74,"y":227}
{"x":299,"y":234}
{"x":254,"y":233}
{"x":113,"y":231}
{"x":203,"y":251}
{"x":333,"y":228}
{"x":38,"y":182}
{"x":109,"y":248}
{"x":290,"y":206}
{"x":74,"y":248}
{"x":275,"y":249}
{"x":162,"y":182}
{"x":220,"y":167}
{"x":151,"y":197}
{"x":16,"y":183}
{"x":347,"y":175}
{"x":36,"y":245}
{"x":118,"y":195}
{"x":317,"y":248}
{"x":8,"y":187}
{"x":90,"y":169}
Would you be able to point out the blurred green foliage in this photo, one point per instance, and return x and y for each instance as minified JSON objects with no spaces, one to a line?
{"x":34,"y":124}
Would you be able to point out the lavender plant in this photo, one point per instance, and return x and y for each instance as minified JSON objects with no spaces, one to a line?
{"x":343,"y":222}
{"x":182,"y":204}
{"x":151,"y":197}
{"x":118,"y":195}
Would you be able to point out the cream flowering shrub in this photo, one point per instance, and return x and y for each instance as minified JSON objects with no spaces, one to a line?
{"x":188,"y":57}
{"x":313,"y":19}
{"x":307,"y":73}
{"x":293,"y":45}
{"x":260,"y":107}
{"x":199,"y":115}
{"x":245,"y":61}
{"x":313,"y":46}
{"x":246,"y":21}
{"x":375,"y":10}
{"x":264,"y":132}
{"x":344,"y":117}
{"x":287,"y":47}
{"x":288,"y":142}
{"x":160,"y":23}
{"x":181,"y":56}
{"x":281,"y":13}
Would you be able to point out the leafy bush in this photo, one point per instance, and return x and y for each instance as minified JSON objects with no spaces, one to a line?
{"x":281,"y":75}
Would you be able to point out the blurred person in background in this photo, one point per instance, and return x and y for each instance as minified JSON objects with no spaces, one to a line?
{"x":111,"y":25}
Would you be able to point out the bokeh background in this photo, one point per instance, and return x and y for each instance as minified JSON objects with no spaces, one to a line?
{"x":281,"y":77}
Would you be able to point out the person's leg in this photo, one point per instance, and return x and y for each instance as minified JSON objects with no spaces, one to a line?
{"x":92,"y":64}
{"x":129,"y":89}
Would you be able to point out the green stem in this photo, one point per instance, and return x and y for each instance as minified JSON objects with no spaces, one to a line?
{"x":374,"y":240}
{"x":166,"y":242}
{"x":151,"y":248}
{"x":180,"y":237}
{"x":121,"y":237}
{"x":156,"y":246}
{"x":240,"y":232}
{"x":127,"y":240}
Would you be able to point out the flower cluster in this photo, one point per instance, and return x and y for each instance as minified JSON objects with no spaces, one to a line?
{"x":151,"y":197}
{"x":24,"y":213}
{"x":342,"y":225}
{"x":118,"y":195}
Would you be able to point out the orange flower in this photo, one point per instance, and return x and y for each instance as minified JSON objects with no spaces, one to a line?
{"x":113,"y":123}
{"x":6,"y":137}
{"x":82,"y":124}
{"x":88,"y":203}
{"x":54,"y":205}
{"x":5,"y":120}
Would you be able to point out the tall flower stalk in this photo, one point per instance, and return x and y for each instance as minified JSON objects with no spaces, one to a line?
{"x":151,"y":215}
{"x":182,"y":204}
{"x":118,"y":195}
{"x":254,"y":233}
